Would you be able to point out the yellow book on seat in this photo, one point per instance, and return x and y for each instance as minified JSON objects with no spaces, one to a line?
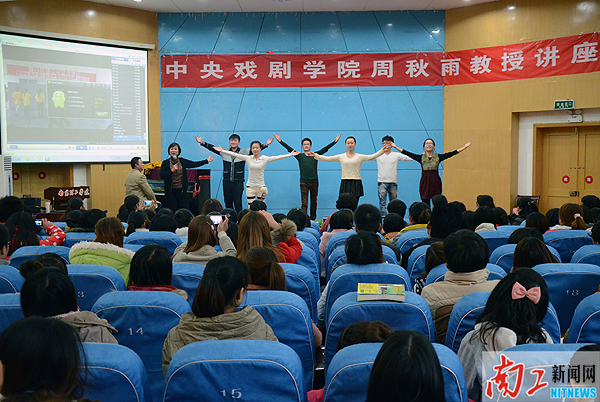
{"x":378,"y":291}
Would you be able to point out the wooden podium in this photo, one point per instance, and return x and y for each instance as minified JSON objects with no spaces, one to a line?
{"x":59,"y":196}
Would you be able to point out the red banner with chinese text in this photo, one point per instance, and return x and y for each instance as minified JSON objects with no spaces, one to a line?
{"x":544,"y":58}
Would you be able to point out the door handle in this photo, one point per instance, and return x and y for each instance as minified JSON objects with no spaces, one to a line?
{"x":573,"y":193}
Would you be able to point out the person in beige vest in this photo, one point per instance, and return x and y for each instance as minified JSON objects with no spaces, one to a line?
{"x":137,"y":184}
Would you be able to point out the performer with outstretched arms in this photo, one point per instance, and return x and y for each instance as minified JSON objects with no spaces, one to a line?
{"x":309,"y":181}
{"x":387,"y":175}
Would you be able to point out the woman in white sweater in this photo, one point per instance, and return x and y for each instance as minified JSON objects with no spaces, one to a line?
{"x":351,"y":163}
{"x":255,"y":186}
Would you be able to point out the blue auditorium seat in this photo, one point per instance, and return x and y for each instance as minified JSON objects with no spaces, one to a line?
{"x":92,"y":281}
{"x":27,"y":253}
{"x":72,"y":238}
{"x":585,"y":325}
{"x":10,"y":309}
{"x":170,"y":240}
{"x":589,"y":254}
{"x":11,"y":280}
{"x":494,"y":238}
{"x":187,"y":276}
{"x":437,"y":274}
{"x":410,"y":238}
{"x":567,"y":242}
{"x":299,"y":280}
{"x":416,"y":264}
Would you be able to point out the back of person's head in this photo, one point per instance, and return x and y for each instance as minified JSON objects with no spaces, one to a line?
{"x":538,"y":221}
{"x":9,"y":205}
{"x":439,"y":199}
{"x":21,"y":231}
{"x":531,"y":252}
{"x":364,"y":248}
{"x":46,"y":260}
{"x":526,"y":205}
{"x":393,"y":223}
{"x":131,"y":202}
{"x":253,"y":232}
{"x":397,"y":206}
{"x":587,"y":214}
{"x":571,"y":215}
{"x":363,"y":332}
{"x":408,"y":368}
{"x":230,"y":214}
{"x":434,"y":256}
{"x":242,"y":213}
{"x":73,"y":217}
{"x":346,"y":201}
{"x":299,"y":217}
{"x":264,"y":268}
{"x":485,"y":200}
{"x":367,"y":217}
{"x":163,"y":223}
{"x":501,"y":216}
{"x":258,"y":205}
{"x":4,"y":236}
{"x":518,"y":302}
{"x":591,"y":201}
{"x":459,"y":206}
{"x":220,"y":286}
{"x":596,"y":233}
{"x":110,"y":230}
{"x":151,"y":266}
{"x":41,"y":355}
{"x":47,"y":293}
{"x":201,"y":232}
{"x":443,"y":221}
{"x":183,"y":217}
{"x":418,"y":213}
{"x":521,"y":233}
{"x":166,"y":211}
{"x":465,"y":251}
{"x":552,"y":216}
{"x":136,"y":220}
{"x":278,"y":217}
{"x":90,"y":217}
{"x":341,"y":220}
{"x":150,"y":214}
{"x":211,"y":205}
{"x":74,"y":204}
{"x":483,"y":214}
{"x":467,"y":220}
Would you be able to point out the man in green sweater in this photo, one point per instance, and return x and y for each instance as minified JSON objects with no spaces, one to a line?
{"x":309,"y":181}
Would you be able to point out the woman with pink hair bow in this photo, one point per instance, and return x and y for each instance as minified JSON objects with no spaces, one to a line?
{"x":511,"y":317}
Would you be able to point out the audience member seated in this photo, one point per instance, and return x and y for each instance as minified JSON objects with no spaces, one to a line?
{"x":106,"y":249}
{"x":165,"y":211}
{"x":531,"y":252}
{"x":360,"y":332}
{"x":74,"y":204}
{"x":152,"y":269}
{"x":28,"y":268}
{"x":459,"y":206}
{"x":4,"y":236}
{"x":433,"y":257}
{"x":214,"y":316}
{"x":231,"y":215}
{"x":418,"y":217}
{"x":511,"y":316}
{"x":10,"y":205}
{"x":344,"y":201}
{"x":590,"y":201}
{"x":255,"y":231}
{"x":484,"y":219}
{"x":537,"y":220}
{"x":588,"y":218}
{"x":199,"y":248}
{"x":552,"y":215}
{"x":485,"y":200}
{"x":595,"y":233}
{"x":522,"y":233}
{"x":50,"y":293}
{"x":467,"y":219}
{"x":393,"y":224}
{"x":88,"y":220}
{"x":525,"y":206}
{"x":182,"y":217}
{"x":131,"y":203}
{"x":266,"y":274}
{"x":22,"y":231}
{"x":367,"y":217}
{"x":340,"y":221}
{"x":596,"y":214}
{"x":570,"y":216}
{"x":501,"y":216}
{"x":260,"y":206}
{"x":408,"y":368}
{"x":163,"y":223}
{"x":72,"y":220}
{"x":211,"y":205}
{"x":41,"y":362}
{"x":397,"y":206}
{"x":300,"y":219}
{"x":466,"y":255}
{"x":137,"y":222}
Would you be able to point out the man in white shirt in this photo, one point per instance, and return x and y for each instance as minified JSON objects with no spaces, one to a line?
{"x":387,"y":176}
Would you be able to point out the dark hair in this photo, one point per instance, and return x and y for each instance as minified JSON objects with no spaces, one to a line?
{"x":109,"y":230}
{"x":419,"y":212}
{"x":182,"y":217}
{"x":500,"y":216}
{"x":221,"y":282}
{"x":73,"y":217}
{"x":527,"y":206}
{"x":387,"y":138}
{"x":587,"y":214}
{"x":234,"y":137}
{"x":136,"y":220}
{"x":408,"y":368}
{"x":90,"y":217}
{"x":443,"y":221}
{"x":393,"y":223}
{"x":531,"y":252}
{"x":346,"y":201}
{"x":47,"y":293}
{"x":41,"y":354}
{"x":367,"y":217}
{"x":483,"y":214}
{"x":21,"y":231}
{"x":428,"y":139}
{"x":363,"y":332}
{"x":201,"y":232}
{"x":552,"y":216}
{"x":174,"y":144}
{"x":459,"y":206}
{"x":149,"y":213}
{"x":151,"y":265}
{"x":46,"y":260}
{"x":438,"y":200}
{"x":467,"y":220}
{"x":134,"y":161}
{"x":596,"y":232}
{"x":306,"y":139}
{"x":364,"y":248}
{"x":165,"y":211}
{"x":256,"y":142}
{"x":74,"y":204}
{"x":231,"y":214}
{"x":279,"y":217}
{"x":9,"y":205}
{"x":258,"y":205}
{"x":130,"y":204}
{"x":521,"y":233}
{"x":4,"y":236}
{"x":466,"y":251}
{"x":485,"y":200}
{"x":397,"y":206}
{"x":163,"y":223}
{"x":571,"y":215}
{"x":342,"y":219}
{"x":434,"y":256}
{"x":538,"y":221}
{"x":519,"y":315}
{"x":300,"y":218}
{"x":347,"y":138}
{"x":591,"y":201}
{"x":211,"y":205}
{"x":264,"y":268}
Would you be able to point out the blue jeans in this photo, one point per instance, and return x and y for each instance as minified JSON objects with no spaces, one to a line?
{"x":383,"y":190}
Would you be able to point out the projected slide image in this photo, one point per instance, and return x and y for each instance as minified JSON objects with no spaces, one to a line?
{"x":79,"y":100}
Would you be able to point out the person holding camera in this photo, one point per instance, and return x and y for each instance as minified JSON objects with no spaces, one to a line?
{"x":203,"y":235}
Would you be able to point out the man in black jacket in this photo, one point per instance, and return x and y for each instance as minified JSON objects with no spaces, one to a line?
{"x":233,"y":170}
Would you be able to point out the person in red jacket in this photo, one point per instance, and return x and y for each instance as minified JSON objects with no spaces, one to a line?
{"x":23,"y":231}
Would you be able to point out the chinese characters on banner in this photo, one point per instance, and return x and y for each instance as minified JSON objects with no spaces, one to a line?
{"x":544,"y":58}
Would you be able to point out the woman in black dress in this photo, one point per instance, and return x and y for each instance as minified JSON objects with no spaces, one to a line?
{"x":431,"y":183}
